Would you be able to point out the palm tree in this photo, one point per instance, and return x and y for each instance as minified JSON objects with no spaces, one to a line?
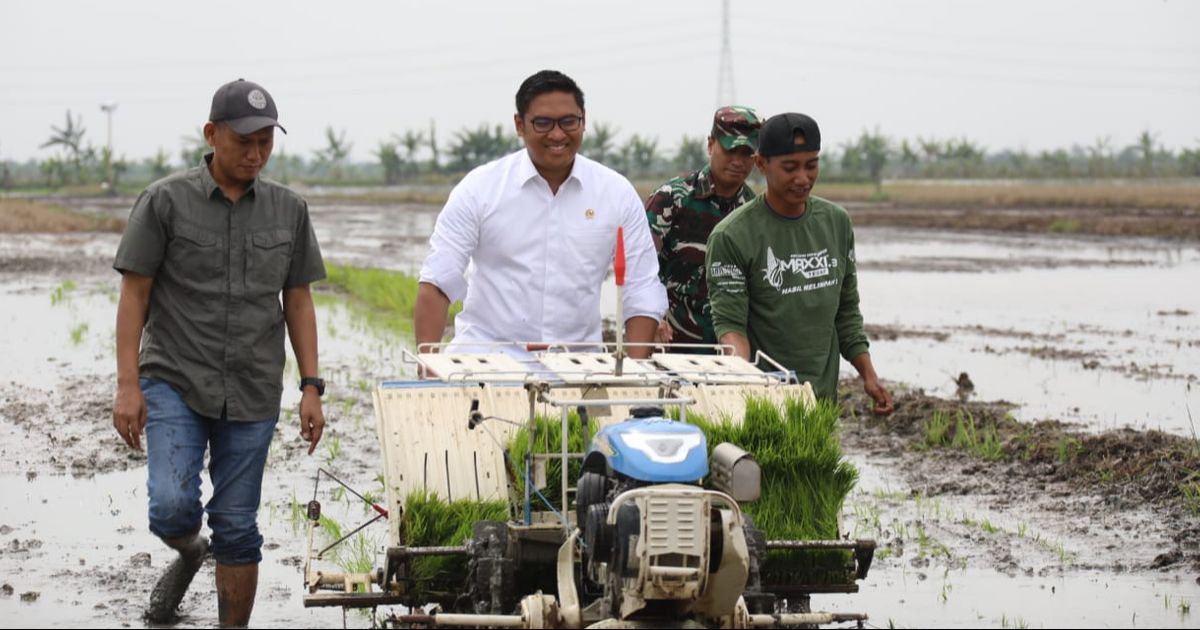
{"x":435,"y":162}
{"x":1189,"y":161}
{"x":598,"y":142}
{"x":691,"y":155}
{"x":335,"y":152}
{"x":158,"y":165}
{"x":472,"y":147}
{"x":1145,"y":146}
{"x":194,"y":148}
{"x":642,"y":154}
{"x":389,"y":158}
{"x":412,"y":141}
{"x":874,"y":149}
{"x":1100,"y":157}
{"x":965,"y":156}
{"x":70,"y":138}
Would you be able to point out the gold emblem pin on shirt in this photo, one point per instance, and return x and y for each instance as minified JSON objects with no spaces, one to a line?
{"x":590,"y":214}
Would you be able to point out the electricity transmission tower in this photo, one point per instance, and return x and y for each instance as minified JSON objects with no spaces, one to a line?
{"x":726,"y":95}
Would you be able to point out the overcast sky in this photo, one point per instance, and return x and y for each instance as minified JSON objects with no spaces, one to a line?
{"x":1008,"y":74}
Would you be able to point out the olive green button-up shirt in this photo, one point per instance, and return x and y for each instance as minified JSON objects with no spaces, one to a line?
{"x":215,"y":326}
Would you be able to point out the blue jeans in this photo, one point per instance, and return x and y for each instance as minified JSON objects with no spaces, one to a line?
{"x":176,"y":438}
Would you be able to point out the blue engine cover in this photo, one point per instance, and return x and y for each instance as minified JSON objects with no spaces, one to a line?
{"x":654,"y":450}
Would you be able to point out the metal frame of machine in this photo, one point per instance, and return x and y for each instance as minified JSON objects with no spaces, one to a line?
{"x":673,"y":572}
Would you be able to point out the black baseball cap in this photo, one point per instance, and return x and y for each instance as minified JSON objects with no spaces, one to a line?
{"x":778,"y":135}
{"x":245,"y":106}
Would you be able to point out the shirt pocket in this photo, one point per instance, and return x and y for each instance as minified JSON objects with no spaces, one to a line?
{"x":195,"y":257}
{"x":592,"y":251}
{"x":268,"y":260}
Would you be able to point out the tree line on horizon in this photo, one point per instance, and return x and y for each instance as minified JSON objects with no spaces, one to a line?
{"x":417,"y":155}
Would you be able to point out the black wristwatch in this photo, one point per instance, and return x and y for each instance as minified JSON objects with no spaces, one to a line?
{"x":319,"y":383}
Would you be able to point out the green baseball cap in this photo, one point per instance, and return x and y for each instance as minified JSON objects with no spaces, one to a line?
{"x":736,"y":126}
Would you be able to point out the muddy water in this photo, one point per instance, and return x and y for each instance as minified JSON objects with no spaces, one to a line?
{"x":1104,"y":332}
{"x":1021,"y":315}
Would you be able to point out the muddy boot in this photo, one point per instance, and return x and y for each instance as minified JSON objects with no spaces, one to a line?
{"x":236,"y":587}
{"x":172,"y":586}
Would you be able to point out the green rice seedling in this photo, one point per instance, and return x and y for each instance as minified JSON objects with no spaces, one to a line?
{"x":333,"y":448}
{"x":429,"y":520}
{"x":1185,"y":607}
{"x":297,"y":515}
{"x":385,"y":299}
{"x":990,"y":447}
{"x":77,"y":333}
{"x":937,"y":429}
{"x":1190,"y":492}
{"x":62,"y":293}
{"x":547,"y":438}
{"x":987,"y":526}
{"x":356,"y":554}
{"x":805,"y":479}
{"x":966,"y":437}
{"x":1064,"y":556}
{"x":1067,"y":449}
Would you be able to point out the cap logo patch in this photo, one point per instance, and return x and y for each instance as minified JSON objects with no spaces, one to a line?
{"x":590,"y":214}
{"x":257,"y":99}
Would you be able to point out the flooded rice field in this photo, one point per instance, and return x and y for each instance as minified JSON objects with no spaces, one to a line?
{"x":1100,"y":332}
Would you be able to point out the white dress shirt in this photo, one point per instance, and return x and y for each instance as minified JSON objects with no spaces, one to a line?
{"x":529,"y":264}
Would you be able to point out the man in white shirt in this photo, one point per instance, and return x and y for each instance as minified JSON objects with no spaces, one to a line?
{"x":526,"y":241}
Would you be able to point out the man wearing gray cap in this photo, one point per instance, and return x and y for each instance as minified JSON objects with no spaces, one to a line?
{"x":684,"y":211}
{"x":781,"y":270}
{"x":200,"y":344}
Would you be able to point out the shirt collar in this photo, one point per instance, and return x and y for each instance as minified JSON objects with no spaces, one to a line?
{"x":704,"y":187}
{"x":210,"y":186}
{"x":527,"y":171}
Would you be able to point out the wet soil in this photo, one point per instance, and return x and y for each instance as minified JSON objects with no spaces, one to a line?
{"x":1107,"y":487}
{"x":1060,"y":497}
{"x":1181,"y":224}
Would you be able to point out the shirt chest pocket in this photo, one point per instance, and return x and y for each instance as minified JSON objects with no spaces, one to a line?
{"x":268,"y":258}
{"x":194,"y":255}
{"x":591,"y":252}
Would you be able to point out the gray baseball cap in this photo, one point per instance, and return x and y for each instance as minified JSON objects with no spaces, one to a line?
{"x":245,"y":106}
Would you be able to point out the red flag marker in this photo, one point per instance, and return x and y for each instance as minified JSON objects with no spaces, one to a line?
{"x":619,"y":259}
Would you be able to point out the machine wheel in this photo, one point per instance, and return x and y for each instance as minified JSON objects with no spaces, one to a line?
{"x":591,"y":490}
{"x":757,"y":602}
{"x":491,"y":587}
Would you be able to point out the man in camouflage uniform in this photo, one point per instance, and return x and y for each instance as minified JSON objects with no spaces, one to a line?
{"x":684,"y":211}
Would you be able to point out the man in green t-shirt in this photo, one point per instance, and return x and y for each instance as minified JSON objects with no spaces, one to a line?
{"x":781,"y":271}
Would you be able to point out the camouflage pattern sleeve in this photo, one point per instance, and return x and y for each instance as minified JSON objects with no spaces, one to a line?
{"x":660,"y":210}
{"x":727,"y":288}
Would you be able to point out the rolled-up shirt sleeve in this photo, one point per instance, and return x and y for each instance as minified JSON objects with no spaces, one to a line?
{"x":455,"y":236}
{"x":645,"y":295}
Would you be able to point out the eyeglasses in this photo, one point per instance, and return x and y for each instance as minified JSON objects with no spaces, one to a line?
{"x":543,"y":124}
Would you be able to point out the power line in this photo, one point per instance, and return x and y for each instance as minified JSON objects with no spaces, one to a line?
{"x":726,"y":93}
